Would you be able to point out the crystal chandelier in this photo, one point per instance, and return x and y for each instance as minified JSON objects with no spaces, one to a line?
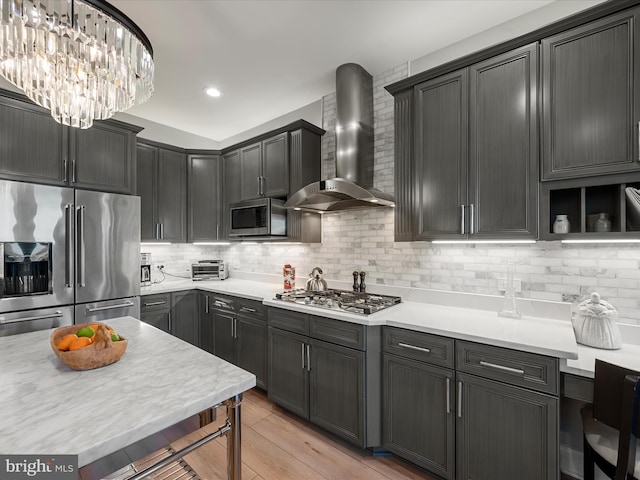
{"x":80,"y":59}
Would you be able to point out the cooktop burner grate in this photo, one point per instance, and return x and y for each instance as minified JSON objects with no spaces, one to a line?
{"x":343,"y":300}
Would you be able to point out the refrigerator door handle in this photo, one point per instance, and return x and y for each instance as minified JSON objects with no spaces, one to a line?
{"x":68,"y":244}
{"x":81,"y":252}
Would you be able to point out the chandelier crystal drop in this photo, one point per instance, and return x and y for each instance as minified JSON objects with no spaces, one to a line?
{"x":80,"y":59}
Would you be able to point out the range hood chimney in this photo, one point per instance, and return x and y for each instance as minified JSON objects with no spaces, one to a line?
{"x":353,"y":186}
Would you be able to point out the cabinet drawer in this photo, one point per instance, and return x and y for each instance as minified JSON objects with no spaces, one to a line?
{"x":419,"y":346}
{"x":251,"y":308}
{"x":220,"y":302}
{"x":523,"y":369}
{"x":336,"y":331}
{"x":155,"y":302}
{"x":288,"y":320}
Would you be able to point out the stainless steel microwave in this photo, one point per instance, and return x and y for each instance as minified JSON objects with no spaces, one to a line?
{"x":260,"y":217}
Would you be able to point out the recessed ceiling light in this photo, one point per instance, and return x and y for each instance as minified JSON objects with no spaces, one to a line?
{"x":212,"y":92}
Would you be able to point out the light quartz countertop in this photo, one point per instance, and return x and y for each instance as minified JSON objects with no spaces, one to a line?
{"x":628,"y":356}
{"x":159,"y":381}
{"x":434,"y":312}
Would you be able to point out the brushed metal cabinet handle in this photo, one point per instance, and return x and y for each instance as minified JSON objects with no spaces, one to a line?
{"x":170,"y":323}
{"x":206,"y":304}
{"x":502,"y":368}
{"x":162,"y":231}
{"x":65,"y":171}
{"x":303,"y":365}
{"x":462,"y":219}
{"x":459,"y":399}
{"x":73,"y":171}
{"x":471,"y":220}
{"x":151,"y":304}
{"x":308,"y":358}
{"x":248,"y":310}
{"x":448,"y":395}
{"x":259,"y":184}
{"x":413,"y":347}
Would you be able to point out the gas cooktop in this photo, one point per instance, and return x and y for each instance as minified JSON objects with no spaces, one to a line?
{"x":343,"y":300}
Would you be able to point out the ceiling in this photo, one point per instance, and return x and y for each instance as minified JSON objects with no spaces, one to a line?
{"x":271,"y":57}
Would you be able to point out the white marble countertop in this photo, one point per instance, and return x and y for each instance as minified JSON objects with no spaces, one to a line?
{"x":628,"y":356}
{"x":531,"y":333}
{"x":159,"y":381}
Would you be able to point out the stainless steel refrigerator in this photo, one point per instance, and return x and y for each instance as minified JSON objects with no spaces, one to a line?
{"x":66,"y":254}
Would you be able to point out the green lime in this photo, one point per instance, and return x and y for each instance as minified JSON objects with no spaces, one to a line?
{"x":85,"y":332}
{"x":115,"y":337}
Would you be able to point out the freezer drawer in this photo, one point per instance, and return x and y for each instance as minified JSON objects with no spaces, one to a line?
{"x":31,"y":320}
{"x":99,"y":311}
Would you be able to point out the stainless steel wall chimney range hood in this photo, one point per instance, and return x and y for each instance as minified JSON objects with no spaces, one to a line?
{"x":353,"y":187}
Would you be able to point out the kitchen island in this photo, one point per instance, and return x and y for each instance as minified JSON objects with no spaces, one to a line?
{"x":159,"y":382}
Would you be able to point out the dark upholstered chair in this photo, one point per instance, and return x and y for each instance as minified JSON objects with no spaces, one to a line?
{"x":610,"y":424}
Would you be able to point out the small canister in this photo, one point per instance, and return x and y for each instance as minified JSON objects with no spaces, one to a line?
{"x":289,"y":274}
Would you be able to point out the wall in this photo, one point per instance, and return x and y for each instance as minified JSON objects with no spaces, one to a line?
{"x":363,"y":240}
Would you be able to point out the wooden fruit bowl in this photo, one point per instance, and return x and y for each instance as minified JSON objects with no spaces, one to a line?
{"x":103,"y":351}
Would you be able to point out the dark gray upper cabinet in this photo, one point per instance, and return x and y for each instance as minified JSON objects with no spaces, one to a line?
{"x":503,"y":146}
{"x":162,"y":185}
{"x":230,"y":187}
{"x":102,"y":157}
{"x":441,"y":156}
{"x":591,"y":98}
{"x":476,"y":151}
{"x":35,"y":148}
{"x":265,"y":168}
{"x":204,"y":177}
{"x":404,"y":168}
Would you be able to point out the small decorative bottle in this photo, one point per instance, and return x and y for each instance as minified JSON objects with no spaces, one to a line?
{"x":561,"y":225}
{"x":602,"y":224}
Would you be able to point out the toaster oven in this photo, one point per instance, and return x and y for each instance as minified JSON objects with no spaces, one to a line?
{"x":209,"y":270}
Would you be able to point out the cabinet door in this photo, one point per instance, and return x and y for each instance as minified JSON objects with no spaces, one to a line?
{"x":275,"y":166}
{"x":336,"y":395}
{"x":441,"y":156}
{"x":224,"y":340}
{"x":505,"y":432}
{"x":171,"y":196}
{"x":230,"y":187}
{"x":288,"y":378}
{"x":31,"y":144}
{"x":503,"y":145}
{"x":102,"y":157}
{"x":159,"y":319}
{"x":252,"y":347}
{"x":204,"y":197}
{"x":184,"y":316}
{"x":206,"y":322}
{"x":250,"y":171}
{"x":591,"y":98}
{"x":145,"y":180}
{"x":417,"y":413}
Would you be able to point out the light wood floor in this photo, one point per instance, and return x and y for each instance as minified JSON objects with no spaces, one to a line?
{"x":277,"y":445}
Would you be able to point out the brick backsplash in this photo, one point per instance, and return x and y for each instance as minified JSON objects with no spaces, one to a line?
{"x":363,"y":240}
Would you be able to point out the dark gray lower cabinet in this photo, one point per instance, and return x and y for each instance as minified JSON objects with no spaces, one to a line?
{"x":184,"y":316}
{"x":288,"y":376}
{"x":224,"y":344}
{"x":505,"y":432}
{"x":156,"y":310}
{"x":418,"y":417}
{"x":252,"y":347}
{"x":206,"y":321}
{"x":327,"y":371}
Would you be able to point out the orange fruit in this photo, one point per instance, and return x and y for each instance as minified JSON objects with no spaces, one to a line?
{"x":64,"y":343}
{"x":79,"y":343}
